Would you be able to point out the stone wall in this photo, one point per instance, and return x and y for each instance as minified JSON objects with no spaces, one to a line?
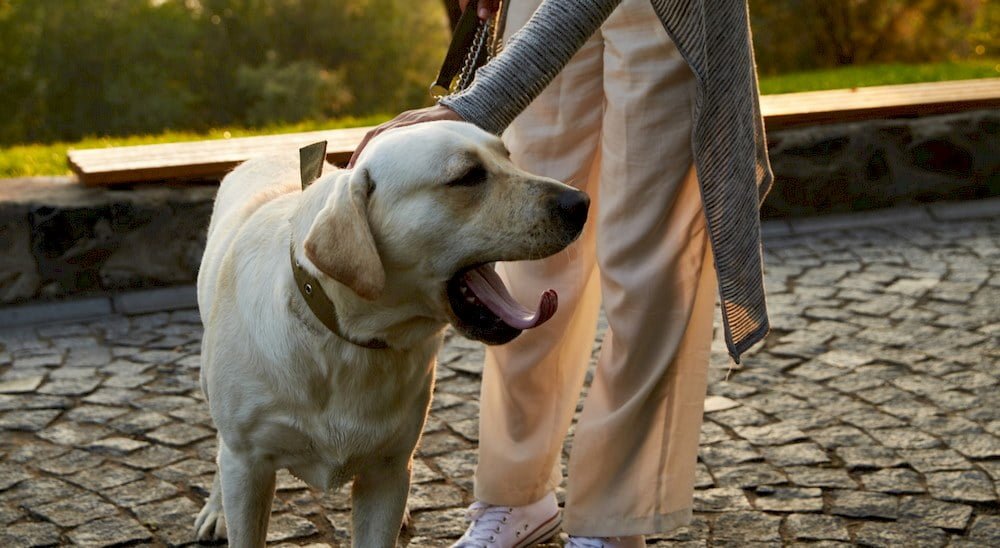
{"x":58,"y":238}
{"x":872,"y":165}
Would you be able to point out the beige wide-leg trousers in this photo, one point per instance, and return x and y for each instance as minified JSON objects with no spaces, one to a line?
{"x":615,"y":123}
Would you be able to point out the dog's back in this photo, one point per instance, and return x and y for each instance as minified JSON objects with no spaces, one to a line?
{"x":245,"y":190}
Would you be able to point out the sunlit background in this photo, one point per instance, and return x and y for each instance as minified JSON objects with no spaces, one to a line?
{"x":73,"y":72}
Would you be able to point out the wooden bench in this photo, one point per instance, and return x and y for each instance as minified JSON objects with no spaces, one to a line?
{"x":211,"y":159}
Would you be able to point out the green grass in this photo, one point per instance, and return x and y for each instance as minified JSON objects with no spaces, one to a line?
{"x":50,"y":159}
{"x":878,"y":75}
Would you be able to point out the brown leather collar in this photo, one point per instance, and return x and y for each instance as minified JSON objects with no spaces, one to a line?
{"x":311,"y":159}
{"x":322,"y":307}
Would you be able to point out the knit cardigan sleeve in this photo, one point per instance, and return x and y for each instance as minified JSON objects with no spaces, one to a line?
{"x":505,"y":86}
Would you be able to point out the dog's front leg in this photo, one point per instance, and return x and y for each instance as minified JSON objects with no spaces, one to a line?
{"x":379,"y":501}
{"x":247,"y":491}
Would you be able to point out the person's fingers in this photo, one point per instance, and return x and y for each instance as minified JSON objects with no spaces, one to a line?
{"x":397,"y":122}
{"x":408,"y":118}
{"x":487,"y":8}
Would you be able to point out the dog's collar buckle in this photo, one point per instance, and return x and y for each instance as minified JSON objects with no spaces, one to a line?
{"x":321,"y":305}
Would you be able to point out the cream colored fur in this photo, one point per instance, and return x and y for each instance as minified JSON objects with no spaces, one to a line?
{"x":383,"y":239}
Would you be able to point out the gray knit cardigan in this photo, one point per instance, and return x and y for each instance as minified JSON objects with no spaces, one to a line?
{"x":727,"y":137}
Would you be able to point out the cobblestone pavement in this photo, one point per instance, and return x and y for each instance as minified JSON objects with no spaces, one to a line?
{"x":870,"y":416}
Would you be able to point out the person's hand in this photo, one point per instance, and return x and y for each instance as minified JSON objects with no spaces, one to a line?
{"x":487,"y":8}
{"x":408,"y":118}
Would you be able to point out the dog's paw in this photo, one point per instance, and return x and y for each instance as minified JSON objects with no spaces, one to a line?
{"x":211,"y":523}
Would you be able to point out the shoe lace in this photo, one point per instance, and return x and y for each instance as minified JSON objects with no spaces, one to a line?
{"x":486,"y":523}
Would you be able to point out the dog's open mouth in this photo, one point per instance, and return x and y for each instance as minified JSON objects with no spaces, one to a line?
{"x":486,"y":311}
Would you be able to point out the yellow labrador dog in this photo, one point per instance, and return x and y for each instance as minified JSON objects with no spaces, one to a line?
{"x":392,"y":251}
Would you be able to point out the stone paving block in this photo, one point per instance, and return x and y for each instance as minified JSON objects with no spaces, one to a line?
{"x":839,"y":436}
{"x":909,"y":409}
{"x":21,"y":385}
{"x":868,"y":457}
{"x":173,"y":519}
{"x":30,"y":534}
{"x":747,"y":527}
{"x":11,"y":475}
{"x":900,"y":534}
{"x":434,"y":496}
{"x":871,"y":419}
{"x":94,"y":414}
{"x":110,"y":531}
{"x":74,"y":435}
{"x":935,"y":513}
{"x":75,"y":511}
{"x":720,"y":499}
{"x":152,"y":457}
{"x":713,"y":433}
{"x":976,"y":446}
{"x":748,"y":475}
{"x":817,"y":527}
{"x":103,"y":477}
{"x":719,"y":403}
{"x":284,"y":527}
{"x":179,"y":434}
{"x":986,"y":530}
{"x":861,"y":504}
{"x":70,"y":463}
{"x":893,"y":481}
{"x":138,"y":493}
{"x":771,"y":434}
{"x":440,"y":524}
{"x":727,"y":453}
{"x":961,"y":486}
{"x":795,"y":454}
{"x":740,"y":416}
{"x":788,"y":499}
{"x":28,"y":421}
{"x":904,"y":438}
{"x":934,"y":460}
{"x":946,"y":426}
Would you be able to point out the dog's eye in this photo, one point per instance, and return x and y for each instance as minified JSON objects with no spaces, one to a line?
{"x":475,"y":176}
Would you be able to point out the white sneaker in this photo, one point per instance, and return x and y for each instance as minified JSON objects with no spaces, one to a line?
{"x":510,"y":526}
{"x":605,"y":542}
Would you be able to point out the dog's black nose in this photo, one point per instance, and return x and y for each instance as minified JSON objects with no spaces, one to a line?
{"x":572,"y":205}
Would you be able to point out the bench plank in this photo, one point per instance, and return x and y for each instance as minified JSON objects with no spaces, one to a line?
{"x":211,"y":159}
{"x":786,"y":110}
{"x":199,"y":159}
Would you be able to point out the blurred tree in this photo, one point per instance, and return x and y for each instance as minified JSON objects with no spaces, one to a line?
{"x":93,"y":67}
{"x":796,"y":35}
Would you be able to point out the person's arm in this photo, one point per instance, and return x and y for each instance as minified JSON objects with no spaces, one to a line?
{"x":535,"y":54}
{"x":507,"y":84}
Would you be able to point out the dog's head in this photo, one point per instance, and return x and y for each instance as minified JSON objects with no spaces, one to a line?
{"x":424,"y":214}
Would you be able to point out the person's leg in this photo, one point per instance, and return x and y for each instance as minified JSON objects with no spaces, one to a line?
{"x":531,"y":385}
{"x":632,"y":463}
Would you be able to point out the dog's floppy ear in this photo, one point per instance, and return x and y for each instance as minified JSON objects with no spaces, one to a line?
{"x":340,"y":242}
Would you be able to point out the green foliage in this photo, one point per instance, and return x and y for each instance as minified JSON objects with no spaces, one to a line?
{"x":71,"y":68}
{"x":795,"y":35}
{"x":878,"y":75}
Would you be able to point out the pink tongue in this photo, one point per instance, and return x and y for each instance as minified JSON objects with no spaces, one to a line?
{"x":489,"y":289}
